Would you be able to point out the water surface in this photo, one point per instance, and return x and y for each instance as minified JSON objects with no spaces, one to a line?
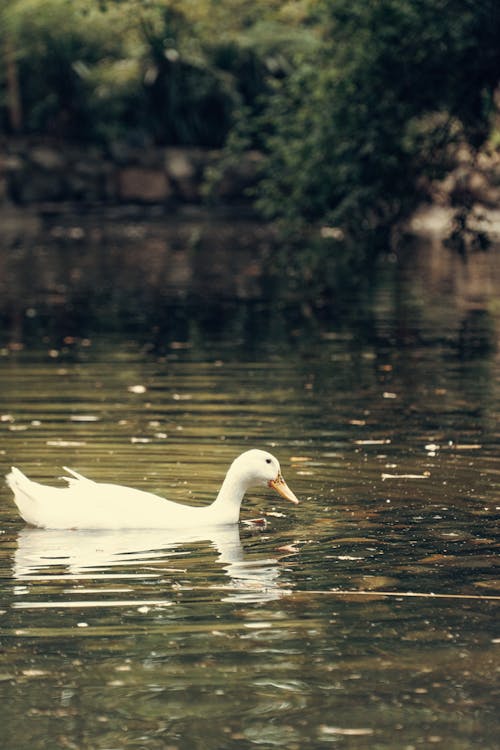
{"x":365,"y":617}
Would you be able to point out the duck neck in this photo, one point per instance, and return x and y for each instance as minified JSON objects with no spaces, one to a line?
{"x":228,"y":501}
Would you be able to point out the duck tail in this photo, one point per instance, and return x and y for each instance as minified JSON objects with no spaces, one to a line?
{"x":16,"y":479}
{"x":21,"y":486}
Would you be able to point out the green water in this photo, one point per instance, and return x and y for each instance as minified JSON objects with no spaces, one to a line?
{"x":243,"y":638}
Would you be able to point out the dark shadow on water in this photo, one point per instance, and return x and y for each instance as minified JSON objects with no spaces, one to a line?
{"x":184,"y":283}
{"x":68,"y":276}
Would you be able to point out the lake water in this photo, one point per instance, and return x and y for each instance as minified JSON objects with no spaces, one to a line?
{"x":365,"y":617}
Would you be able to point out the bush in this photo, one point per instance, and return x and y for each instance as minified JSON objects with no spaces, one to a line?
{"x":121,"y":70}
{"x":356,"y":130}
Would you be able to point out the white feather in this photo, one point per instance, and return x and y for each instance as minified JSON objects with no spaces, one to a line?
{"x":85,"y":504}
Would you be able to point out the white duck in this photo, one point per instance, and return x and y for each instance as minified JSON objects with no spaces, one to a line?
{"x":85,"y":504}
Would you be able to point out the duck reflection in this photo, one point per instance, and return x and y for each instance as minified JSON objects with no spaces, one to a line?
{"x":137,"y":554}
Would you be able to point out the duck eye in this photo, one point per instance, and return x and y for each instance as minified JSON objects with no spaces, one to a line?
{"x":268,"y":460}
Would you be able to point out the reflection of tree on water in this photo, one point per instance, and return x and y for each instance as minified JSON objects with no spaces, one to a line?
{"x":117,"y":273}
{"x":107,"y":555}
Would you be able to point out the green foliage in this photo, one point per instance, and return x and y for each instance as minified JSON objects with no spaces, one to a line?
{"x":133,"y":70}
{"x":356,"y":130}
{"x":68,"y":64}
{"x":167,"y":71}
{"x":356,"y":104}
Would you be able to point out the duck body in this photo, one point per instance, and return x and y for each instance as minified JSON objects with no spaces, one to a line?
{"x":85,"y":504}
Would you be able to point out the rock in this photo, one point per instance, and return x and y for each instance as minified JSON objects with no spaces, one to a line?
{"x":185,"y":167}
{"x":143,"y":185}
{"x":47,"y":158}
{"x":179,"y":163}
{"x":11,"y":163}
{"x":36,"y":186}
{"x":3,"y":188}
{"x":37,"y":172}
{"x":483,"y":189}
{"x":88,"y":180}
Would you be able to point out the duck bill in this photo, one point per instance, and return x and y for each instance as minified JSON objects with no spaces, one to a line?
{"x":283,"y":489}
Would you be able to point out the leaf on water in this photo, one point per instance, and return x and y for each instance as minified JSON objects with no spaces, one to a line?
{"x":480,"y":542}
{"x":84,"y":418}
{"x":381,"y":441}
{"x":372,"y":583}
{"x":425,"y":475}
{"x":437,"y":558}
{"x":291,"y":548}
{"x":346,"y":731}
{"x":274,"y":514}
{"x":65,"y":443}
{"x":134,"y":440}
{"x":180,"y":345}
{"x":491,"y":584}
{"x":261,"y":522}
{"x":355,"y":540}
{"x":137,"y":389}
{"x":467,"y":446}
{"x":77,"y":604}
{"x":389,"y":394}
{"x":299,"y":459}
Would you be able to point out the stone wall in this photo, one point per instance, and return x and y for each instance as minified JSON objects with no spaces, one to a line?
{"x":34,"y":172}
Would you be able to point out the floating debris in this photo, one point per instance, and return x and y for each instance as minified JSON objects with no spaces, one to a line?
{"x":290,"y":548}
{"x":346,"y":732}
{"x":425,"y":475}
{"x":137,"y":389}
{"x":65,"y":443}
{"x":381,"y":441}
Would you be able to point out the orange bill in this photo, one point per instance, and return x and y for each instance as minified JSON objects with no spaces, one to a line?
{"x":283,"y":489}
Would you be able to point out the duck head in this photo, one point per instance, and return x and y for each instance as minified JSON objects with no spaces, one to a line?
{"x":258,"y":467}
